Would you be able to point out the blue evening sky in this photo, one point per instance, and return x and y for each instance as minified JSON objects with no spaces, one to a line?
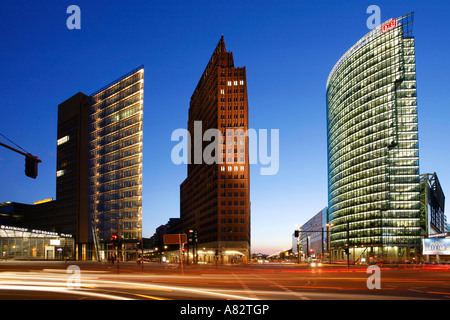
{"x":288,"y":48}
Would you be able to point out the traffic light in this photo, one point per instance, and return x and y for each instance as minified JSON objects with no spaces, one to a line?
{"x":115,"y":239}
{"x":297,"y":233}
{"x":192,"y":235}
{"x":31,"y":166}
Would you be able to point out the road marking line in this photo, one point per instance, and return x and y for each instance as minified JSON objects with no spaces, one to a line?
{"x":245,"y":287}
{"x":284,"y":288}
{"x":415,"y":290}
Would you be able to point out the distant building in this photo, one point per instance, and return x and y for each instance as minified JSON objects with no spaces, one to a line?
{"x":12,"y":213}
{"x":157,"y":240}
{"x":295,"y":243}
{"x":313,"y":236}
{"x":45,"y":216}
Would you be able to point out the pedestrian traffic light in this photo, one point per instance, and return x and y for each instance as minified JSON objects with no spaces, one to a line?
{"x":31,"y":166}
{"x":115,"y":239}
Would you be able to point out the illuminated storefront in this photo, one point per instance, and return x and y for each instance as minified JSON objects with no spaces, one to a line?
{"x":25,"y":243}
{"x":373,"y":152}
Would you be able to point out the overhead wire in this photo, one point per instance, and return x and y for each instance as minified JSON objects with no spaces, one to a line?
{"x":13,"y":142}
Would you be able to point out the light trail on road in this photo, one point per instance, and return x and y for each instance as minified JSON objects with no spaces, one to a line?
{"x":52,"y":283}
{"x":202,"y":283}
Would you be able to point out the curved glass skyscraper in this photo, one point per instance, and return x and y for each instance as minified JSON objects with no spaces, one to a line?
{"x":373,"y":152}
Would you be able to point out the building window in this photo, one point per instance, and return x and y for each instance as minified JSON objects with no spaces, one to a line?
{"x":62,"y":140}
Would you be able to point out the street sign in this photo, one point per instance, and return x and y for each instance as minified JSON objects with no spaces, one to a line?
{"x":175,"y":238}
{"x":179,"y":239}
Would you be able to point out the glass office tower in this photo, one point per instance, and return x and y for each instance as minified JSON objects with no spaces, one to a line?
{"x":373,"y":152}
{"x":115,"y":159}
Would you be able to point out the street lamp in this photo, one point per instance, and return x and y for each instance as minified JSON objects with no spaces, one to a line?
{"x":329,"y":225}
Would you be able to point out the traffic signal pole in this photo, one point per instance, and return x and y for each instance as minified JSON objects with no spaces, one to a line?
{"x":298,"y":234}
{"x":31,"y":161}
{"x":118,"y":248}
{"x":181,"y":254}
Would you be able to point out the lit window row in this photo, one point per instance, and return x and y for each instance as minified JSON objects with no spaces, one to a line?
{"x":234,"y":83}
{"x":232,"y":168}
{"x":62,"y":140}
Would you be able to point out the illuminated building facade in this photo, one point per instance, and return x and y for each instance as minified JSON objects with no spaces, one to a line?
{"x":115,"y":159}
{"x":98,"y":174}
{"x":373,"y":149}
{"x":99,"y":167}
{"x":27,"y":243}
{"x":215,"y":198}
{"x":313,"y":236}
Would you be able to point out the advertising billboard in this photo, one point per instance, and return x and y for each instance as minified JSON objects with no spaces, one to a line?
{"x":436,"y":246}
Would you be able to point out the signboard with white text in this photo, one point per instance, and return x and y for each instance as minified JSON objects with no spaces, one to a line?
{"x":389,"y":25}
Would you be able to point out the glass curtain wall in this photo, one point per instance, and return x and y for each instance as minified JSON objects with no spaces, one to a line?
{"x":373,"y":150}
{"x":23,"y":243}
{"x":115,"y":163}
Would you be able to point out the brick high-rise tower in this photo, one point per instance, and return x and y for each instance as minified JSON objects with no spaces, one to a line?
{"x":215,"y":198}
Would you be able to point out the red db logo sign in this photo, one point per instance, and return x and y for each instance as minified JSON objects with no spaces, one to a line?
{"x":388,"y":26}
